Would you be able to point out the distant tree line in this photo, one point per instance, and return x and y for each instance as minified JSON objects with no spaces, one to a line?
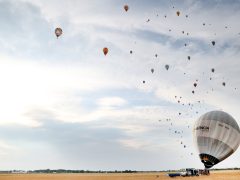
{"x":52,"y":171}
{"x":77,"y":171}
{"x":223,"y":169}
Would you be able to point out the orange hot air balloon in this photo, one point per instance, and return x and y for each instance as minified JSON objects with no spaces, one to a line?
{"x":105,"y":51}
{"x":126,"y":8}
{"x":58,"y":32}
{"x":178,"y":13}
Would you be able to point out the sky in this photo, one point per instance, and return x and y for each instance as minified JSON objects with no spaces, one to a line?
{"x":64,"y":104}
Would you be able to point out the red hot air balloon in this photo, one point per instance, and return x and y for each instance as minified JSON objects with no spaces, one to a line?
{"x":105,"y":51}
{"x":126,"y":8}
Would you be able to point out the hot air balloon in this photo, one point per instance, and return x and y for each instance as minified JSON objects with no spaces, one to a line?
{"x":167,"y":66}
{"x":216,"y":135}
{"x":152,"y":70}
{"x":213,"y":43}
{"x":189,"y":58}
{"x":178,"y":13}
{"x":213,"y":70}
{"x":224,"y":84}
{"x":105,"y":51}
{"x":58,"y":32}
{"x":126,"y":8}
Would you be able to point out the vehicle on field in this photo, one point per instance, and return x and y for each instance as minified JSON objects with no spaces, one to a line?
{"x":190,"y":172}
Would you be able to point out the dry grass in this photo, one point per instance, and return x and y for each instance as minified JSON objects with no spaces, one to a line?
{"x":219,"y":175}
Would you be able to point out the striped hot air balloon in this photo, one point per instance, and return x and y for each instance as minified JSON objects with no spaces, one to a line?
{"x":216,"y":135}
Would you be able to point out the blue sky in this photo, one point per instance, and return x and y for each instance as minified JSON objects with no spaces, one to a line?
{"x":66,"y":105}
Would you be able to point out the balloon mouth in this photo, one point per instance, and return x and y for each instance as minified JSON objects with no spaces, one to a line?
{"x":208,"y":160}
{"x":207,"y":164}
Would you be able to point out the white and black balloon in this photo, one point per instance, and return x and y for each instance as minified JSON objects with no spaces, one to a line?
{"x":216,"y":135}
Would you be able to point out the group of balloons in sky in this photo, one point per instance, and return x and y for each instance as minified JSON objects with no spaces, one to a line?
{"x":58,"y":30}
{"x":216,"y":134}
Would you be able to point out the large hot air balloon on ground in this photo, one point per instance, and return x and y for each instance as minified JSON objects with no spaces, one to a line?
{"x":216,"y":135}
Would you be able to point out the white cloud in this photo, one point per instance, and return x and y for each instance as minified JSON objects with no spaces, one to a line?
{"x":111,"y":102}
{"x":6,"y":148}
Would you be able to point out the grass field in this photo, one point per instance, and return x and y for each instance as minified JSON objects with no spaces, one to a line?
{"x":219,"y":175}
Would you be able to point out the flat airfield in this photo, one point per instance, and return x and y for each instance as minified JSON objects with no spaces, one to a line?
{"x":215,"y":175}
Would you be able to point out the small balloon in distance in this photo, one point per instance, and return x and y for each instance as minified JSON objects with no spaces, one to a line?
{"x":126,"y":7}
{"x":166,"y":66}
{"x":58,"y":32}
{"x":105,"y":51}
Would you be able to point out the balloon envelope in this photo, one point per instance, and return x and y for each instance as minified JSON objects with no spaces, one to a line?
{"x":216,"y":135}
{"x":105,"y":51}
{"x":58,"y":32}
{"x":126,"y":7}
{"x":166,"y":66}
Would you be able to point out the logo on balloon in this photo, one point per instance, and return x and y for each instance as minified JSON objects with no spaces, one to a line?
{"x":203,"y":128}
